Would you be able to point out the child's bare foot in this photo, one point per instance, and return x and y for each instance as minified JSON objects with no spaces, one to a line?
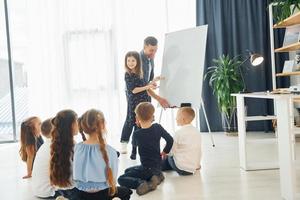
{"x":60,"y":198}
{"x":27,"y":176}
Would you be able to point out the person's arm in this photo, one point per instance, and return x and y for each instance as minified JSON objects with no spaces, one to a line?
{"x":176,"y":139}
{"x":162,"y":101}
{"x":114,"y":162}
{"x":169,"y":140}
{"x":30,"y":156}
{"x":158,"y":78}
{"x":136,"y":85}
{"x":146,"y":87}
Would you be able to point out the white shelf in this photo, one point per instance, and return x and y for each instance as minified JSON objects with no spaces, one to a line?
{"x":260,"y":118}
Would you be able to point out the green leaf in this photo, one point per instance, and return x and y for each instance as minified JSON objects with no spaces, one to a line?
{"x":284,"y":8}
{"x":224,"y":79}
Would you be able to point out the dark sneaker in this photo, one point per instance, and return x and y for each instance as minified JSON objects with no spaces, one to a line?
{"x":154,"y":181}
{"x":133,"y":156}
{"x":144,"y":188}
{"x":161,"y":178}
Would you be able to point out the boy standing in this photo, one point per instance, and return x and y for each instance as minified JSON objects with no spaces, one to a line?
{"x":185,"y":156}
{"x":148,"y":175}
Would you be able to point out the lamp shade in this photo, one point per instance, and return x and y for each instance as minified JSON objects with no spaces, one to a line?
{"x":256,"y":59}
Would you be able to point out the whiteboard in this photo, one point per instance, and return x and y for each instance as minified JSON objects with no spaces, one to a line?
{"x":183,"y":66}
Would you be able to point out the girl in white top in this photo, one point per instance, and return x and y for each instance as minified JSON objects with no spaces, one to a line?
{"x":41,"y":186}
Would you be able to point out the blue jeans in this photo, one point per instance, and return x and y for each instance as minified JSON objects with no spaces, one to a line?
{"x":169,"y":164}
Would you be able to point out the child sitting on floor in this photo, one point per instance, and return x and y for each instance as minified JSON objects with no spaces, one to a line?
{"x":41,"y":186}
{"x":95,"y":162}
{"x":186,"y":151}
{"x":31,"y":141}
{"x":148,"y":175}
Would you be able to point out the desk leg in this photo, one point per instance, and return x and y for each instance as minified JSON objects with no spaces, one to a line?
{"x":242,"y":131}
{"x":285,"y":153}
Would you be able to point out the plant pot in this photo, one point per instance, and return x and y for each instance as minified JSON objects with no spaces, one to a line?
{"x":229,"y":123}
{"x":233,"y":134}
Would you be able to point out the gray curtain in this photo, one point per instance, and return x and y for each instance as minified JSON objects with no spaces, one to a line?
{"x":235,"y":26}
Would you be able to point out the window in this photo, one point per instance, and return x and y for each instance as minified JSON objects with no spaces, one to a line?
{"x":6,"y":116}
{"x":89,"y":60}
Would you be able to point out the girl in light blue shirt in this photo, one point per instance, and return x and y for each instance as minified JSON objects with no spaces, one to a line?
{"x":95,"y":164}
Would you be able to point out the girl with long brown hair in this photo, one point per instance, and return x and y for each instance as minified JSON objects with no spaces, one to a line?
{"x":65,"y":126}
{"x":95,"y":162}
{"x":31,"y":140}
{"x":136,"y":92}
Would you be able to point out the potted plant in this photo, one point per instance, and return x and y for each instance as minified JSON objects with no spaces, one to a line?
{"x":225,"y":79}
{"x":284,"y":8}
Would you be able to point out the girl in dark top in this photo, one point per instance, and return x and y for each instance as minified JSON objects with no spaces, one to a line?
{"x":31,"y":141}
{"x":136,"y":92}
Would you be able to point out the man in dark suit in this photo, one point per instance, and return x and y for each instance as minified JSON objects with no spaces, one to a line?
{"x":147,"y":56}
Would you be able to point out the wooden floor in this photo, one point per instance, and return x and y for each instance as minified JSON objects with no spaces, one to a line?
{"x":219,"y":178}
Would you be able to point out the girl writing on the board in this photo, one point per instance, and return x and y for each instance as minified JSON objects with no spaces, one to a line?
{"x":136,"y":92}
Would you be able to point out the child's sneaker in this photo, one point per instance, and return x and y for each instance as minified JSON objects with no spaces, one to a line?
{"x":123,"y":148}
{"x":133,"y":156}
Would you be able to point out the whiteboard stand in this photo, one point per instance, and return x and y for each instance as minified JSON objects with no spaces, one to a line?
{"x":172,"y":116}
{"x":207,"y":123}
{"x":173,"y":120}
{"x":197,"y":119}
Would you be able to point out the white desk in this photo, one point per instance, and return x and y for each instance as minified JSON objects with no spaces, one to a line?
{"x":284,"y":117}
